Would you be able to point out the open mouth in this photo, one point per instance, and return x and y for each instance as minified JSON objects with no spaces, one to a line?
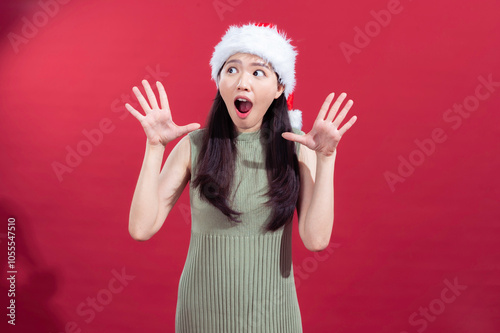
{"x":243,"y":105}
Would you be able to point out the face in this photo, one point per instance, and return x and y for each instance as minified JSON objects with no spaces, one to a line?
{"x":248,"y":86}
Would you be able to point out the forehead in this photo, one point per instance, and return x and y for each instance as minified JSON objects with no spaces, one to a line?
{"x":247,"y":57}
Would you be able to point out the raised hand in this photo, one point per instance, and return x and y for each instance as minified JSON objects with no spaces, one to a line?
{"x":325,"y":133}
{"x":158,"y":124}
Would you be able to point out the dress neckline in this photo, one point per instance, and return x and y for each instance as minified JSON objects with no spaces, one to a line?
{"x":248,"y":136}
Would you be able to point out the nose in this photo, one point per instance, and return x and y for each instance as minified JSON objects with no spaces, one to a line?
{"x":244,"y":82}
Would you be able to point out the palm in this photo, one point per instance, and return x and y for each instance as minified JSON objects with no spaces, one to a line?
{"x":159,"y":127}
{"x":157,"y":123}
{"x":325,"y":133}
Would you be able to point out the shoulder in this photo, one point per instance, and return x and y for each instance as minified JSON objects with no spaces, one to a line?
{"x":305,"y":155}
{"x":298,"y":146}
{"x":196,"y":135}
{"x":194,"y":140}
{"x":297,"y":131}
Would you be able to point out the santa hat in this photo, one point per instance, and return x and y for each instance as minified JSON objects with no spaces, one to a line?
{"x":265,"y":41}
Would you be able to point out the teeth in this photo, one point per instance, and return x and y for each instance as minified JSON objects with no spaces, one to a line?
{"x":241,"y":100}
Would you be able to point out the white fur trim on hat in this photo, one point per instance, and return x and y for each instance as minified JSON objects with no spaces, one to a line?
{"x":295,"y":119}
{"x":265,"y":42}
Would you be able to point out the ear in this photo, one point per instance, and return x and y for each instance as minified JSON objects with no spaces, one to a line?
{"x":280,"y":90}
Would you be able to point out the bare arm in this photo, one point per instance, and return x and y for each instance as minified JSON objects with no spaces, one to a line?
{"x":317,"y":163}
{"x":156,"y":193}
{"x":316,"y":199}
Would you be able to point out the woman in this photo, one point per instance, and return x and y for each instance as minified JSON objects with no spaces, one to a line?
{"x":249,"y":169}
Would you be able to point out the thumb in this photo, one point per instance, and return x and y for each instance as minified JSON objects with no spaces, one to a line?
{"x":293,"y":137}
{"x":189,"y":128}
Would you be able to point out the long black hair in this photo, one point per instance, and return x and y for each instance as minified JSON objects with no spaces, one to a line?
{"x":216,"y":162}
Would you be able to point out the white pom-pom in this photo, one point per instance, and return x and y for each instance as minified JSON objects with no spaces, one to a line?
{"x":295,"y":118}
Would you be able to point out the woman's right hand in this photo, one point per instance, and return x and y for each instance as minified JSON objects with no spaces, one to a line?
{"x":157,"y":123}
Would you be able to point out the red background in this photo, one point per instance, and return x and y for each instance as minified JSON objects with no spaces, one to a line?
{"x":393,"y":247}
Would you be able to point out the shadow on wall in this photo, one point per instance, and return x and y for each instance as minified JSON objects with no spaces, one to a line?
{"x":34,"y":284}
{"x":11,"y":13}
{"x":21,"y":21}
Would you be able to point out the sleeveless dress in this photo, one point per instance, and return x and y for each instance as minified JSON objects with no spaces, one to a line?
{"x":237,"y":277}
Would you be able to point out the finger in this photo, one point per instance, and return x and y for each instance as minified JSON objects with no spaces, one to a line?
{"x":134,"y":112}
{"x":343,"y":113}
{"x":151,"y":94}
{"x":347,"y":125}
{"x":294,"y":137}
{"x":163,"y":96}
{"x":189,"y":128}
{"x":325,"y":106}
{"x":335,"y":107}
{"x":142,"y":100}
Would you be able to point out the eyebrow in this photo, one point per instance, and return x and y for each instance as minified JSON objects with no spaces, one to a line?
{"x":252,"y":64}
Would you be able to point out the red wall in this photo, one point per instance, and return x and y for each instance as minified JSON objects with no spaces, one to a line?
{"x":415,"y":242}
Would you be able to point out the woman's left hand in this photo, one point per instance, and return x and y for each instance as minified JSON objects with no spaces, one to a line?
{"x":325,"y":133}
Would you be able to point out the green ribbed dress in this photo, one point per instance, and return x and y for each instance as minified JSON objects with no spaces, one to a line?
{"x":237,"y":277}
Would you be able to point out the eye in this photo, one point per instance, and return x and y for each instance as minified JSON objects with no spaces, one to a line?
{"x":231,"y":70}
{"x":259,"y":72}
